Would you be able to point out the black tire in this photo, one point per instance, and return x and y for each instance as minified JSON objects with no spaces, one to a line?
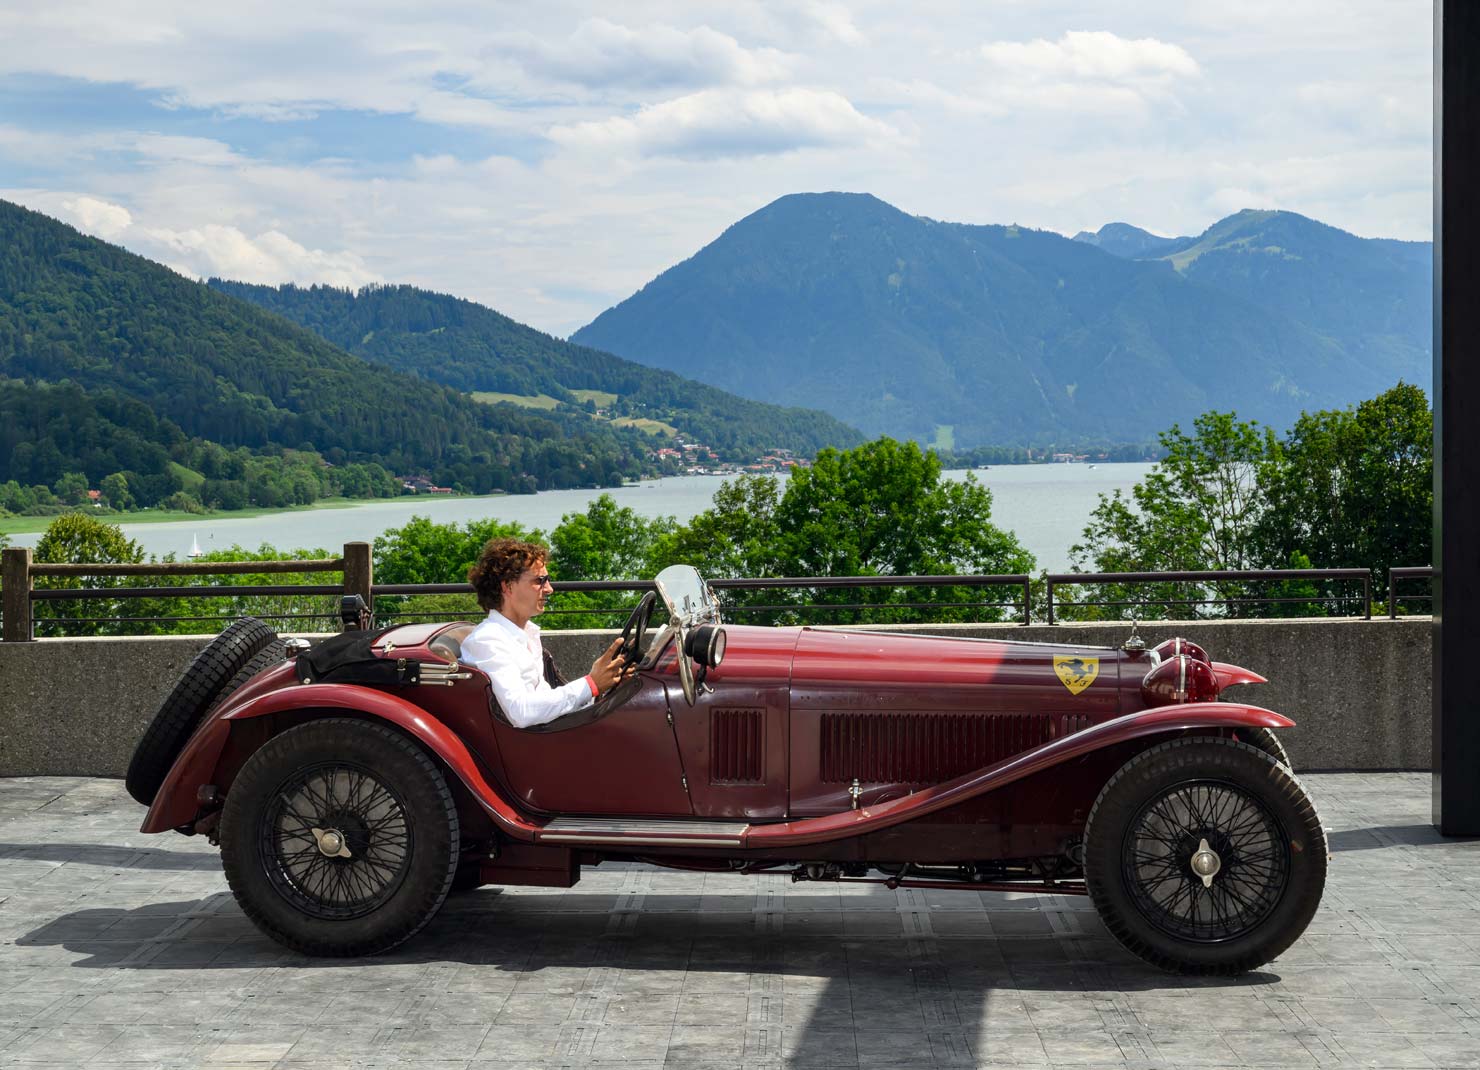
{"x":390,"y":804}
{"x":274,"y":653}
{"x":1269,"y":856}
{"x":1268,"y":742}
{"x":183,"y":709}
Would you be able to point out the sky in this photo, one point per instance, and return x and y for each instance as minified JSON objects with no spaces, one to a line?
{"x":550,"y":159}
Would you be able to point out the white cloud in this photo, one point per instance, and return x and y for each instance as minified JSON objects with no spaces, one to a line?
{"x":600,"y":54}
{"x":718,"y":123}
{"x":209,"y":249}
{"x":1094,"y":56}
{"x":270,"y":257}
{"x":99,"y":218}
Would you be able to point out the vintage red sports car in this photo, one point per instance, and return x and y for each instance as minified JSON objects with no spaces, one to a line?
{"x":352,"y":785}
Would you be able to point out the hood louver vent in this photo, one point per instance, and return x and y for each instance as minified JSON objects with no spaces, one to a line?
{"x":920,"y":748}
{"x":737,"y":747}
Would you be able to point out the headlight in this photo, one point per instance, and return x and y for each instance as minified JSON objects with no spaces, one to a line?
{"x":706,"y":645}
{"x":1181,"y":678}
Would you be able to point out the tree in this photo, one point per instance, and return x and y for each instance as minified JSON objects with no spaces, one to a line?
{"x":76,"y":538}
{"x":425,"y":552}
{"x":1196,"y":511}
{"x":115,"y":489}
{"x":879,"y":509}
{"x":71,"y":487}
{"x":606,"y":542}
{"x":1346,"y":488}
{"x":1354,"y":488}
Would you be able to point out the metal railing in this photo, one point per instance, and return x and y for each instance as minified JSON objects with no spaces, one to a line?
{"x":18,"y":593}
{"x":1408,"y":572}
{"x":782,"y":583}
{"x":1063,"y":579}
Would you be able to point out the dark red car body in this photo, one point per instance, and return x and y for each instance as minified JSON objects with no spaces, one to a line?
{"x":846,"y":751}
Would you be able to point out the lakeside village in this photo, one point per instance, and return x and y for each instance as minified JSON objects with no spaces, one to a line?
{"x":697,"y":459}
{"x":680,"y":459}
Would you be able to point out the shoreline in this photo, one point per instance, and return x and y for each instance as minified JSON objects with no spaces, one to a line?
{"x":31,"y":525}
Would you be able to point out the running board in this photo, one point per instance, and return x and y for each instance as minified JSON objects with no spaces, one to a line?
{"x":640,"y":831}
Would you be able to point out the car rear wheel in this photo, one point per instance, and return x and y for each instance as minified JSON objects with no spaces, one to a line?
{"x":1205,"y":856}
{"x":340,"y":837}
{"x":199,"y":687}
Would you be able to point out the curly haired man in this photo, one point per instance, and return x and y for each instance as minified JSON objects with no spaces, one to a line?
{"x":513,"y":585}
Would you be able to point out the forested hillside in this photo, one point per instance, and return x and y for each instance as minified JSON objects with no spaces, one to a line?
{"x":473,"y":348}
{"x":157,"y":364}
{"x":1002,"y":335}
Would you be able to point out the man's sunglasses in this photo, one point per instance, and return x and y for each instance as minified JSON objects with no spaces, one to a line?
{"x":540,"y":581}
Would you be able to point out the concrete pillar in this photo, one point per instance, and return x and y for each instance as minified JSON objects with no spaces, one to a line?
{"x":1456,"y":709}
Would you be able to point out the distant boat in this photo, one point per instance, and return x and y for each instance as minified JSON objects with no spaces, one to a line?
{"x":1091,"y":466}
{"x":195,"y":550}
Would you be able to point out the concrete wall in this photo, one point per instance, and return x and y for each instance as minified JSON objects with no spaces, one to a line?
{"x":1358,"y":690}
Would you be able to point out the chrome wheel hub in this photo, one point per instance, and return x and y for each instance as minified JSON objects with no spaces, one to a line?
{"x":331,"y":843}
{"x":1206,"y":863}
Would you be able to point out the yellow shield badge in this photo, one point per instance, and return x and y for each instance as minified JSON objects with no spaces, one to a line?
{"x":1074,"y":672}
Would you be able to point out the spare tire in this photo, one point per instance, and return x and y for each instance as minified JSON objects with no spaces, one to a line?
{"x":202,"y":683}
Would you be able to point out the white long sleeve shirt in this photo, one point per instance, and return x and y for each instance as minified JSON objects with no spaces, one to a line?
{"x":515,"y":663}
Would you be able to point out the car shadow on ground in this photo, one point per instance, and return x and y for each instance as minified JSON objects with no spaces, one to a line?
{"x":527,"y":933}
{"x":101,"y":854}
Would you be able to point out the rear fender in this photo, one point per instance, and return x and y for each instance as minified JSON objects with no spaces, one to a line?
{"x":176,"y":803}
{"x":1164,"y":720}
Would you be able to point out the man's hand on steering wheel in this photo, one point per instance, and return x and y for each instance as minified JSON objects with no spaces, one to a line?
{"x":610,"y":668}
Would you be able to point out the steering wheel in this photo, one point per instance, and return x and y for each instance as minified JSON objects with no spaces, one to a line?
{"x":635,"y":630}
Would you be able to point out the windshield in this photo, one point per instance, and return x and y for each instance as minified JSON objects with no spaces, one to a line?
{"x":687,"y":596}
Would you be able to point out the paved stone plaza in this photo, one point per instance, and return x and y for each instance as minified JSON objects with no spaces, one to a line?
{"x":118,"y":949}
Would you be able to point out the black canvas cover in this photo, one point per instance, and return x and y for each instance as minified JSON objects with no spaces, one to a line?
{"x":347,"y":658}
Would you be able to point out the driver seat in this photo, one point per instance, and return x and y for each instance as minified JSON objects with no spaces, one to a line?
{"x":448,"y":646}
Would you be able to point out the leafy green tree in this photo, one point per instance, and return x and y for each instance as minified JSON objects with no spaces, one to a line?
{"x":1344,"y":489}
{"x":71,"y":487}
{"x":1196,"y":511}
{"x":1354,"y":488}
{"x":115,"y":489}
{"x":76,"y":538}
{"x":606,"y":542}
{"x":427,"y":552}
{"x":879,"y":509}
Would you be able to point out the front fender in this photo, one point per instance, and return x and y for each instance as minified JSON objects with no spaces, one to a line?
{"x":1163,"y":720}
{"x":175,"y":804}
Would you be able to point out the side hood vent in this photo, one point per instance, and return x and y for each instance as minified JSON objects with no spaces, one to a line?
{"x":926,"y":748}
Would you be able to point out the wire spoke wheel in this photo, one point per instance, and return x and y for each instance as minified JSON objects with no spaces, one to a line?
{"x":365,"y":821}
{"x":340,"y":837}
{"x":1228,"y":834}
{"x":1204,"y":855}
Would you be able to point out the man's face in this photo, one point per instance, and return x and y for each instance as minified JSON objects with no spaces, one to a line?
{"x":526,"y":596}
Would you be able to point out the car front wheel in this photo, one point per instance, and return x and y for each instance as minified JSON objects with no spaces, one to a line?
{"x":339,"y":837}
{"x":1205,"y":856}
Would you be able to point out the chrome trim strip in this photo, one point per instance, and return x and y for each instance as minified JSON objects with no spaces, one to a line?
{"x":649,"y":827}
{"x":645,"y":841}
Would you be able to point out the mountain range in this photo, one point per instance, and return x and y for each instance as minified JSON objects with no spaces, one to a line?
{"x":111,"y":363}
{"x":486,"y":354}
{"x":972,"y":335}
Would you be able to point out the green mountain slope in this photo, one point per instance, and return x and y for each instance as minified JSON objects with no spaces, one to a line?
{"x":208,"y":366}
{"x":906,"y":325}
{"x":475,"y":349}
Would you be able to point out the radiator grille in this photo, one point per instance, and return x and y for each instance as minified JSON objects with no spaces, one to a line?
{"x":737,"y":747}
{"x":905,"y":748}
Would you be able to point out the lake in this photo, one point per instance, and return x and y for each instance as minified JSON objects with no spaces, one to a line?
{"x":1047,"y":505}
